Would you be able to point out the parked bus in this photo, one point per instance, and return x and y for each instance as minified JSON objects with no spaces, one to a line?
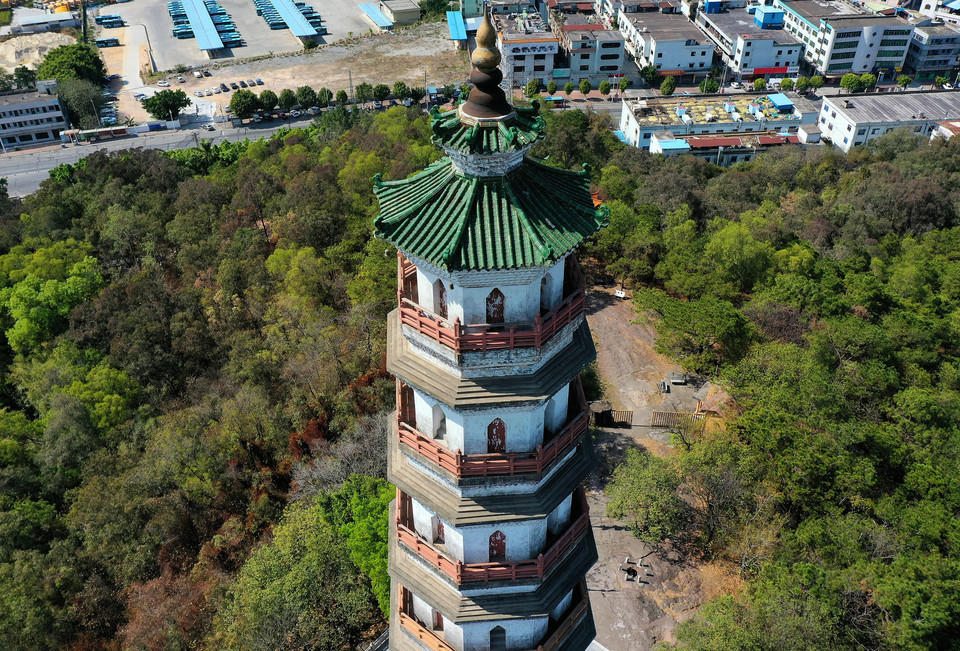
{"x":558,"y":102}
{"x":108,"y":42}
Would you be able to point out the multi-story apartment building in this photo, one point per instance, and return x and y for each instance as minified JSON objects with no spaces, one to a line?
{"x":668,"y":41}
{"x":698,"y":115}
{"x":529,"y":49}
{"x":838,"y":42}
{"x":722,"y":150}
{"x":608,"y":10}
{"x":29,"y":117}
{"x":946,"y":11}
{"x":751,"y":44}
{"x":934,"y":51}
{"x":853,"y":120}
{"x":593,"y":51}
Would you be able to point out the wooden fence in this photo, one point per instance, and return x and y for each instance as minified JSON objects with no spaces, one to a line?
{"x":673,"y":418}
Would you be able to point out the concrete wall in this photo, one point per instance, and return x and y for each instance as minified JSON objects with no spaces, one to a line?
{"x":558,"y":520}
{"x":467,"y":431}
{"x":520,"y":633}
{"x":562,"y":607}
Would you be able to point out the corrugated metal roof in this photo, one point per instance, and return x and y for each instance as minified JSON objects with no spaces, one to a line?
{"x":202,"y":25}
{"x":458,"y":30}
{"x":374,"y":13}
{"x":530,"y":217}
{"x":295,"y":20}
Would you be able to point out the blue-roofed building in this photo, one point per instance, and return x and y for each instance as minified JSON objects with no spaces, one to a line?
{"x":374,"y":15}
{"x":458,"y":29}
{"x":295,"y":20}
{"x":208,"y":38}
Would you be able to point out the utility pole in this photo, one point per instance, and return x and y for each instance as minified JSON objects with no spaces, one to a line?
{"x":425,"y":89}
{"x":350,"y":77}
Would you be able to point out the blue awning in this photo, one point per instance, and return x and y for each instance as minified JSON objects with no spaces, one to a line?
{"x":295,"y":20}
{"x":376,"y":16}
{"x":953,"y":4}
{"x":202,"y":25}
{"x":621,"y":136}
{"x":458,"y":29}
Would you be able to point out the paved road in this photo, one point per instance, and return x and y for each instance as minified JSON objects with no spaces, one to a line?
{"x":25,"y":170}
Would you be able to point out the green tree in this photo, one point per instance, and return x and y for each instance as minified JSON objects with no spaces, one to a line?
{"x":938,"y":81}
{"x":401,"y":91}
{"x":802,"y":84}
{"x":585,"y":87}
{"x":650,"y":74}
{"x":83,"y":101}
{"x":286,"y":99}
{"x":324,"y":96}
{"x":268,"y":100}
{"x":552,"y":87}
{"x":306,"y":97}
{"x":568,"y":88}
{"x":342,"y":98}
{"x":851,"y":82}
{"x":166,"y":104}
{"x":364,"y":93}
{"x":78,"y":61}
{"x":868,"y":81}
{"x":786,"y":84}
{"x":702,"y":334}
{"x":24,"y":77}
{"x":434,"y":9}
{"x":816,"y":82}
{"x":381,"y":92}
{"x":644,"y":493}
{"x":740,"y":259}
{"x":532,"y":88}
{"x":760,"y":84}
{"x":668,"y":86}
{"x":417,"y":93}
{"x":300,"y":590}
{"x":904,"y":80}
{"x":623,"y":84}
{"x":604,"y":88}
{"x":244,"y":103}
{"x":709,"y":86}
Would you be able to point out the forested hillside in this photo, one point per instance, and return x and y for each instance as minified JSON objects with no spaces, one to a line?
{"x":821,"y":291}
{"x":192,"y":439}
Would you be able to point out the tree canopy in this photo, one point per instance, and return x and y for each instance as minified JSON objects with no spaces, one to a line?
{"x":167,"y":104}
{"x":77,"y":61}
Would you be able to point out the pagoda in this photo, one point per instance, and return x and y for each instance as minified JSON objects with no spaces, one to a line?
{"x":490,"y":533}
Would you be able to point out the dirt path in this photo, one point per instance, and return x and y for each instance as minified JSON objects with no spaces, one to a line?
{"x":632,"y":615}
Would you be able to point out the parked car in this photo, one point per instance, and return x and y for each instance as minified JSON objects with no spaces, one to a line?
{"x":948,"y":86}
{"x":198,"y":74}
{"x":181,"y":79}
{"x":112,"y":77}
{"x":206,"y":73}
{"x":259,"y":82}
{"x":198,"y":93}
{"x":163,"y":84}
{"x":208,"y":92}
{"x":294,"y":113}
{"x":233,"y":85}
{"x":256,"y":118}
{"x":224,"y":88}
{"x":243,"y":84}
{"x":251,"y":82}
{"x":377,"y":105}
{"x":209,"y":127}
{"x":139,"y":97}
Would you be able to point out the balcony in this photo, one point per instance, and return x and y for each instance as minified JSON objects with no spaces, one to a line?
{"x":486,"y":465}
{"x":462,"y":573}
{"x":484,"y":337}
{"x":557,"y":632}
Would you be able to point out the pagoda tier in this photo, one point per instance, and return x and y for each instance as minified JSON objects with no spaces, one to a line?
{"x":490,"y":534}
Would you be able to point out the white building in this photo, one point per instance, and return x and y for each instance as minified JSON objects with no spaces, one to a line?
{"x":529,"y":48}
{"x":934,"y":51}
{"x":838,"y":42}
{"x":698,"y":115}
{"x":668,"y":41}
{"x":593,"y":51}
{"x":855,"y":119}
{"x":751,"y":44}
{"x":30,"y":117}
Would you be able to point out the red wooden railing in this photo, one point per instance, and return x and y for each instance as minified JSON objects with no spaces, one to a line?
{"x":484,"y":465}
{"x":486,"y":572}
{"x":435,"y":643}
{"x":485,"y":336}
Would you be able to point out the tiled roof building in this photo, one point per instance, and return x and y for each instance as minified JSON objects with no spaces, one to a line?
{"x":490,"y":534}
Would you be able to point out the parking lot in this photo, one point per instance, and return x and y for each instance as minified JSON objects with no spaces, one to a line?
{"x":341,"y":17}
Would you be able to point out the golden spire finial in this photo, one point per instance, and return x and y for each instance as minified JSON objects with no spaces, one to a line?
{"x":486,"y":56}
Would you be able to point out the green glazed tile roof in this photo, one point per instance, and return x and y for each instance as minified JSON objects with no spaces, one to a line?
{"x":531,"y":217}
{"x":524,"y":130}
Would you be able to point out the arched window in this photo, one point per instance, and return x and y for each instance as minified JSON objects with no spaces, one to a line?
{"x":440,"y":298}
{"x":498,"y":547}
{"x":439,"y":422}
{"x":496,"y":302}
{"x":498,"y":639}
{"x":497,"y":437}
{"x":546,"y":283}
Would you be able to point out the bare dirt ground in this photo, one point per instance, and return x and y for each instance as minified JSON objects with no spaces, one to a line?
{"x":636,"y":614}
{"x":408,"y":55}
